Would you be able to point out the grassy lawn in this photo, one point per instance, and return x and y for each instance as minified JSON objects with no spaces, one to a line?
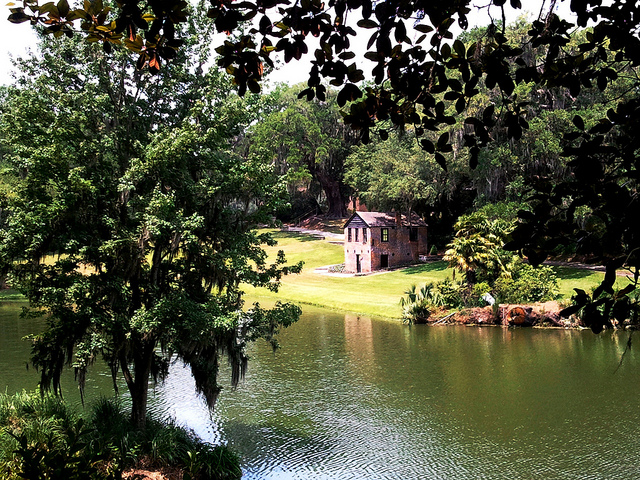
{"x":375,"y":295}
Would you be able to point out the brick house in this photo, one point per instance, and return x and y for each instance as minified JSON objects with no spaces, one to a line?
{"x":376,"y":240}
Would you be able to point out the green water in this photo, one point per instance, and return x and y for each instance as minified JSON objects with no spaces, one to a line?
{"x":348,"y":397}
{"x":16,"y":374}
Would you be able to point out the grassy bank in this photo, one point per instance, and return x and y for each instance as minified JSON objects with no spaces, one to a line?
{"x":375,"y":295}
{"x":10,"y":294}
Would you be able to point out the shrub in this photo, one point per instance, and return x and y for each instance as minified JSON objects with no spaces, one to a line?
{"x":417,"y":306}
{"x":418,"y":312}
{"x":42,"y":438}
{"x":162,"y":443}
{"x":454,"y":294}
{"x":337,"y":268}
{"x":478,"y":291}
{"x":524,"y":283}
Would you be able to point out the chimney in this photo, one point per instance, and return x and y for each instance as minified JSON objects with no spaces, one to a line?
{"x":398,"y":219}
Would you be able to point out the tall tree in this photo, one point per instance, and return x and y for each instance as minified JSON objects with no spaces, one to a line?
{"x":308,"y":138}
{"x":132,"y":222}
{"x":395,"y":174}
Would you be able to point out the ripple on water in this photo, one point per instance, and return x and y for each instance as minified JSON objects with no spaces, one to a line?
{"x":345,"y":441}
{"x":351,"y":398}
{"x":428,"y":404}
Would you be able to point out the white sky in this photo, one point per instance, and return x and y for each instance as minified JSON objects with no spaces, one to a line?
{"x":17,"y":39}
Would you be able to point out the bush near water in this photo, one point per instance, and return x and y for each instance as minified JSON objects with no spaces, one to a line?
{"x":41,"y":437}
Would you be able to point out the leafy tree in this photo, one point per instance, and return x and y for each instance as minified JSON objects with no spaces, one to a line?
{"x":395,"y":174}
{"x":506,"y":167}
{"x":132,"y":222}
{"x":307,"y":140}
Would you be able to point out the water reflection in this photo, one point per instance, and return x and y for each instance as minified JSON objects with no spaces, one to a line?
{"x":349,"y":397}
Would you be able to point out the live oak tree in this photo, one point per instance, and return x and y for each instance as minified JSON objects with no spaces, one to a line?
{"x":131,"y":222}
{"x":394,"y":174}
{"x":308,"y":140}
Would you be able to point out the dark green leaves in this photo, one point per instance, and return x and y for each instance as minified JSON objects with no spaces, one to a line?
{"x":349,"y":93}
{"x":441,"y":160}
{"x":130,"y":216}
{"x":578,"y":122}
{"x":18,"y":16}
{"x":428,"y":146}
{"x":443,"y":143}
{"x":423,"y":28}
{"x":367,"y":23}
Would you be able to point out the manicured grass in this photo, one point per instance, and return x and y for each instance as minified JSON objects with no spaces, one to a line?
{"x":570,"y":278}
{"x":375,"y":295}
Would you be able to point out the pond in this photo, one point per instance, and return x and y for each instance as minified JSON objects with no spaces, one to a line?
{"x":349,"y":397}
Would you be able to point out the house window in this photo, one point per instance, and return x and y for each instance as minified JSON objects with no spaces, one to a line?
{"x":348,"y":234}
{"x":364,"y":235}
{"x":413,"y":234}
{"x":385,"y":235}
{"x":357,"y":230}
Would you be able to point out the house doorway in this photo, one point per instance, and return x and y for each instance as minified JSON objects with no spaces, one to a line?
{"x":384,"y":261}
{"x":358,"y":264}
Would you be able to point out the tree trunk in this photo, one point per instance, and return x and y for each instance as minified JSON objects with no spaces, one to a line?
{"x":472,"y":277}
{"x":139,"y":406}
{"x":336,"y":202}
{"x":139,"y":384}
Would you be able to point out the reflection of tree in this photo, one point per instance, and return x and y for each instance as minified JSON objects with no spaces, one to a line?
{"x":514,"y":395}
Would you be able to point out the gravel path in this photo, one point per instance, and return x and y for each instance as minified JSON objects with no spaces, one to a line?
{"x":316,"y":233}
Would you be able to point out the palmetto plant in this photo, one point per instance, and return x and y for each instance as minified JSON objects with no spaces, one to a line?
{"x":470,"y":254}
{"x":417,"y":305}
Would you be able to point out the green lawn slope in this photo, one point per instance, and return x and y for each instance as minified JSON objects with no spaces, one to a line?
{"x":374,"y":295}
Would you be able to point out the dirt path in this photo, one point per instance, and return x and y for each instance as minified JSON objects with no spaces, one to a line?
{"x":315,"y":233}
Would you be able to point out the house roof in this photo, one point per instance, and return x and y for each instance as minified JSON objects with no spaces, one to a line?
{"x":386,"y":219}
